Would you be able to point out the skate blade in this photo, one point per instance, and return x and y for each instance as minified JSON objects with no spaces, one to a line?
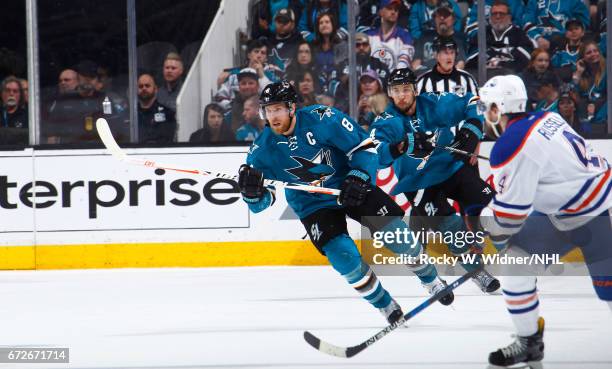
{"x":527,"y":365}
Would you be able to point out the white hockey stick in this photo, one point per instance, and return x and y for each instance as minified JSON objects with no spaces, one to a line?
{"x":113,"y":148}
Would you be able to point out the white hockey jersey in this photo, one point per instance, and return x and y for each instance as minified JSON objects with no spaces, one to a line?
{"x":396,"y":51}
{"x":541,"y":164}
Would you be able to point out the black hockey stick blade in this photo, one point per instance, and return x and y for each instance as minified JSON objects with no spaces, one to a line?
{"x":351,"y":351}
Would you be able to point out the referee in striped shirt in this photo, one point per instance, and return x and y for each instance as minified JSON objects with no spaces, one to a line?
{"x":444,"y":76}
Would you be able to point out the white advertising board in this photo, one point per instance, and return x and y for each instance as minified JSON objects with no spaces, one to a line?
{"x":86,"y":196}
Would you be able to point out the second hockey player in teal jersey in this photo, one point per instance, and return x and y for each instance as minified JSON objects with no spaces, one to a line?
{"x":413,"y":135}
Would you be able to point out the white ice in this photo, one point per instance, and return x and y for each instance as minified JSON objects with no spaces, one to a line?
{"x":255,"y":317}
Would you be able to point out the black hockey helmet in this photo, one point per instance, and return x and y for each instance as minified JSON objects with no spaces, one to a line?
{"x":278,"y":92}
{"x":401,"y":76}
{"x":444,"y":42}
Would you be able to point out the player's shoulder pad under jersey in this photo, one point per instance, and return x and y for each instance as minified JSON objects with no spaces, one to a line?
{"x":514,"y":138}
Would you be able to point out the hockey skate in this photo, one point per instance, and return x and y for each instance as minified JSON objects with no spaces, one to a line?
{"x":486,"y":282}
{"x":436,"y":286}
{"x":522,"y":350}
{"x":392,"y":312}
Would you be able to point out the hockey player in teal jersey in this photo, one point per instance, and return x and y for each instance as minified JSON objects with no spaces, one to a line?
{"x":319,"y":144}
{"x":406,"y":133}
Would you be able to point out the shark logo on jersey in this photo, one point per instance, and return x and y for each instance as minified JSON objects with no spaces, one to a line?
{"x":551,"y":21}
{"x":415,"y":124}
{"x":277,"y":60}
{"x":318,"y":168}
{"x":383,"y":116}
{"x":323,"y":111}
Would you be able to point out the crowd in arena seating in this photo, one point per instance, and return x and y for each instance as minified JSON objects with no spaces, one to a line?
{"x":557,"y":47}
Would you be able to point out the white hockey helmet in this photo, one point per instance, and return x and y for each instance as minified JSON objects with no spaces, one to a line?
{"x":509,"y":95}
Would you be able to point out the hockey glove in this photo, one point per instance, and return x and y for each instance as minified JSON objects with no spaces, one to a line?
{"x":354,"y":189}
{"x":465,"y":140}
{"x":416,"y":144}
{"x":250,"y":181}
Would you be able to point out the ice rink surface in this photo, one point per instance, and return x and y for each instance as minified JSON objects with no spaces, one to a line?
{"x":254,"y":318}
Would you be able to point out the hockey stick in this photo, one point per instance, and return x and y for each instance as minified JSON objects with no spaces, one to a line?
{"x":461,"y":152}
{"x":113,"y":148}
{"x":351,"y":351}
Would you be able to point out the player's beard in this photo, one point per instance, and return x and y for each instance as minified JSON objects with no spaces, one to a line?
{"x":406,"y":109}
{"x":284,"y":128}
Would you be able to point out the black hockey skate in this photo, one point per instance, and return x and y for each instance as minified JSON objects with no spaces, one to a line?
{"x":486,"y":282}
{"x":392,"y":312}
{"x":522,"y":350}
{"x":438,"y":285}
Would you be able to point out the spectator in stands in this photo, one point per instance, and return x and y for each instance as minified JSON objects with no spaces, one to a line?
{"x":257,"y":60}
{"x":311,"y":12}
{"x":253,"y":124}
{"x":307,"y":87}
{"x":391,"y":43}
{"x":568,"y":110}
{"x":156,"y":122}
{"x":369,"y":18}
{"x":517,"y":8}
{"x":424,"y":58}
{"x":213,"y":128}
{"x":326,"y":100}
{"x":508,"y":47}
{"x":283,"y":45}
{"x":369,"y":86}
{"x":365,"y":62}
{"x":564,"y":59}
{"x":173,"y":80}
{"x":25,"y":88}
{"x":330,"y":51}
{"x":445,"y":76}
{"x":68,"y":81}
{"x":264,"y":13}
{"x":248,"y":85}
{"x":421,"y":16}
{"x":537,"y":70}
{"x":590,"y":82}
{"x":72,"y":119}
{"x":548,"y":94}
{"x":544,"y":20}
{"x":12,"y":112}
{"x":302,"y":62}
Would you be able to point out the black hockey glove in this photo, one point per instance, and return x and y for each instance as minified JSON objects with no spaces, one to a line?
{"x":354,"y":189}
{"x":250,"y":181}
{"x":416,"y":144}
{"x":465,"y":140}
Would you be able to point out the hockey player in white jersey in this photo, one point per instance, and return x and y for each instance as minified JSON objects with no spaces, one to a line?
{"x":553,"y":194}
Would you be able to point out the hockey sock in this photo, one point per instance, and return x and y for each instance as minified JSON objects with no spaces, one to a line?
{"x":411,"y":247}
{"x":344,"y":257}
{"x":522,"y":302}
